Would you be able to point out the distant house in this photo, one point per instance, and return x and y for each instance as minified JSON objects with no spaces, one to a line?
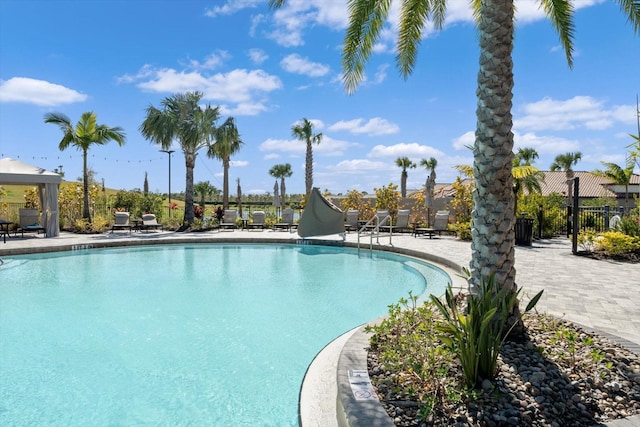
{"x":591,"y":187}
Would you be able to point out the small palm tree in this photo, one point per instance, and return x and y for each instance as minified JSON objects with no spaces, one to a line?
{"x":404,"y":163}
{"x":619,"y":176}
{"x":182,"y":118}
{"x":86,"y":133}
{"x":525,"y":175}
{"x":227,"y":143}
{"x":204,"y":189}
{"x":566,"y":162}
{"x":304,"y":132}
{"x":281,"y":172}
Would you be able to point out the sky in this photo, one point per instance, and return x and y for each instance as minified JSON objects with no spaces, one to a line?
{"x":269,"y":69}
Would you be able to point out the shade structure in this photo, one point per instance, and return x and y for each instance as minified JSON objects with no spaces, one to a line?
{"x":15,"y":172}
{"x":320,"y":217}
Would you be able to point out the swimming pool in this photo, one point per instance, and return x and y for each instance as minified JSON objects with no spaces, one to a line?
{"x":183,"y":335}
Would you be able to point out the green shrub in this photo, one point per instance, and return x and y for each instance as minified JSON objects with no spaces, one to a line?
{"x":476,"y":337}
{"x":462,"y":230}
{"x":615,"y":243}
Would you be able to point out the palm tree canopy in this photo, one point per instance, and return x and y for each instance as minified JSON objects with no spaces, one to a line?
{"x":304,"y":132}
{"x":183,"y":119}
{"x":87,"y":131}
{"x":281,"y":171}
{"x":430,"y":164}
{"x":405,"y":163}
{"x":617,"y":174}
{"x":525,"y":156}
{"x":565,"y":161}
{"x":227,"y":140}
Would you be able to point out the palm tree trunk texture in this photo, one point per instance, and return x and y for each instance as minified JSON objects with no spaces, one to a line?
{"x":403,"y":184}
{"x":190,"y":162}
{"x":493,"y":216}
{"x":308,"y":173}
{"x":569,"y":174}
{"x":85,"y":187}
{"x":225,"y":184}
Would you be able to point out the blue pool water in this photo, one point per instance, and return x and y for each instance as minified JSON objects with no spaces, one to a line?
{"x":182,"y":335}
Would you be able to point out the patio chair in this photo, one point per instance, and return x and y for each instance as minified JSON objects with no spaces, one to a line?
{"x":378,"y":221}
{"x":440,"y":224}
{"x":258,"y":218}
{"x":229,"y":220}
{"x":287,"y":221}
{"x":29,"y":222}
{"x":351,"y":222}
{"x":149,"y":222}
{"x":402,"y":222}
{"x":121,"y":222}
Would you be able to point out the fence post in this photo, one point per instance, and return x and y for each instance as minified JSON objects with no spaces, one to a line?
{"x":540,"y":219}
{"x":606,"y":218}
{"x":576,"y":201}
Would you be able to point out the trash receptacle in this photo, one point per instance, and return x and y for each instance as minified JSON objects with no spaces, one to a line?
{"x":524,"y":231}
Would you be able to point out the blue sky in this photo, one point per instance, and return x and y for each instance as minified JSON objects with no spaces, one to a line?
{"x":269,"y":69}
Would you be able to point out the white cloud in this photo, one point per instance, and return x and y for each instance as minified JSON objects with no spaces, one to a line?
{"x":328,"y":147}
{"x":544,"y":144}
{"x":258,"y":56}
{"x":39,"y":92}
{"x":211,"y":62}
{"x":245,"y":89}
{"x":296,"y":64}
{"x":412,"y":150}
{"x":375,"y":126}
{"x":577,"y":112}
{"x":231,"y":7}
{"x":238,"y":163}
{"x":465,"y":140}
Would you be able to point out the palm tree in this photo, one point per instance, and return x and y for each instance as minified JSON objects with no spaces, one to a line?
{"x":227,"y":143}
{"x":304,"y":132}
{"x":525,"y":176}
{"x":204,"y":189}
{"x":566,"y":162}
{"x":281,"y":172}
{"x":404,"y":163}
{"x":619,"y":176}
{"x":86,"y":133}
{"x":182,"y":118}
{"x":430,"y":185}
{"x":493,"y":218}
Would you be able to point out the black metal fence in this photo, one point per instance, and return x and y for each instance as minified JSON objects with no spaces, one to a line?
{"x":590,"y":218}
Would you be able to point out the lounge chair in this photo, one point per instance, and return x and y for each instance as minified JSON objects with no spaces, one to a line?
{"x":29,"y":222}
{"x":402,"y":223}
{"x":378,"y":221}
{"x":121,"y":222}
{"x":440,"y":224}
{"x":149,"y":222}
{"x":257,"y":220}
{"x":229,"y":220}
{"x":287,"y":221}
{"x":351,"y":222}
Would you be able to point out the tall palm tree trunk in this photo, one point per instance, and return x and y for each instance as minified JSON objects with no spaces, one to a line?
{"x":85,"y":187}
{"x":225,"y":184}
{"x":493,"y":216}
{"x":190,"y":162}
{"x":308,"y":173}
{"x":403,"y":184}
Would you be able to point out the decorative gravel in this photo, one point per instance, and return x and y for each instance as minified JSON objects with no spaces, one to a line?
{"x":560,"y":376}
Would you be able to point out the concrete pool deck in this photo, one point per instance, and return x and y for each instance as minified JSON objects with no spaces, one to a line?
{"x":597,"y":294}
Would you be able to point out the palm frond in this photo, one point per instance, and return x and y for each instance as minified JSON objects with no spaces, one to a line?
{"x":560,"y":12}
{"x":413,"y":16}
{"x":366,"y":20}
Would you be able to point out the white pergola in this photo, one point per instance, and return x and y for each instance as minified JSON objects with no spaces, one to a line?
{"x":16,"y":172}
